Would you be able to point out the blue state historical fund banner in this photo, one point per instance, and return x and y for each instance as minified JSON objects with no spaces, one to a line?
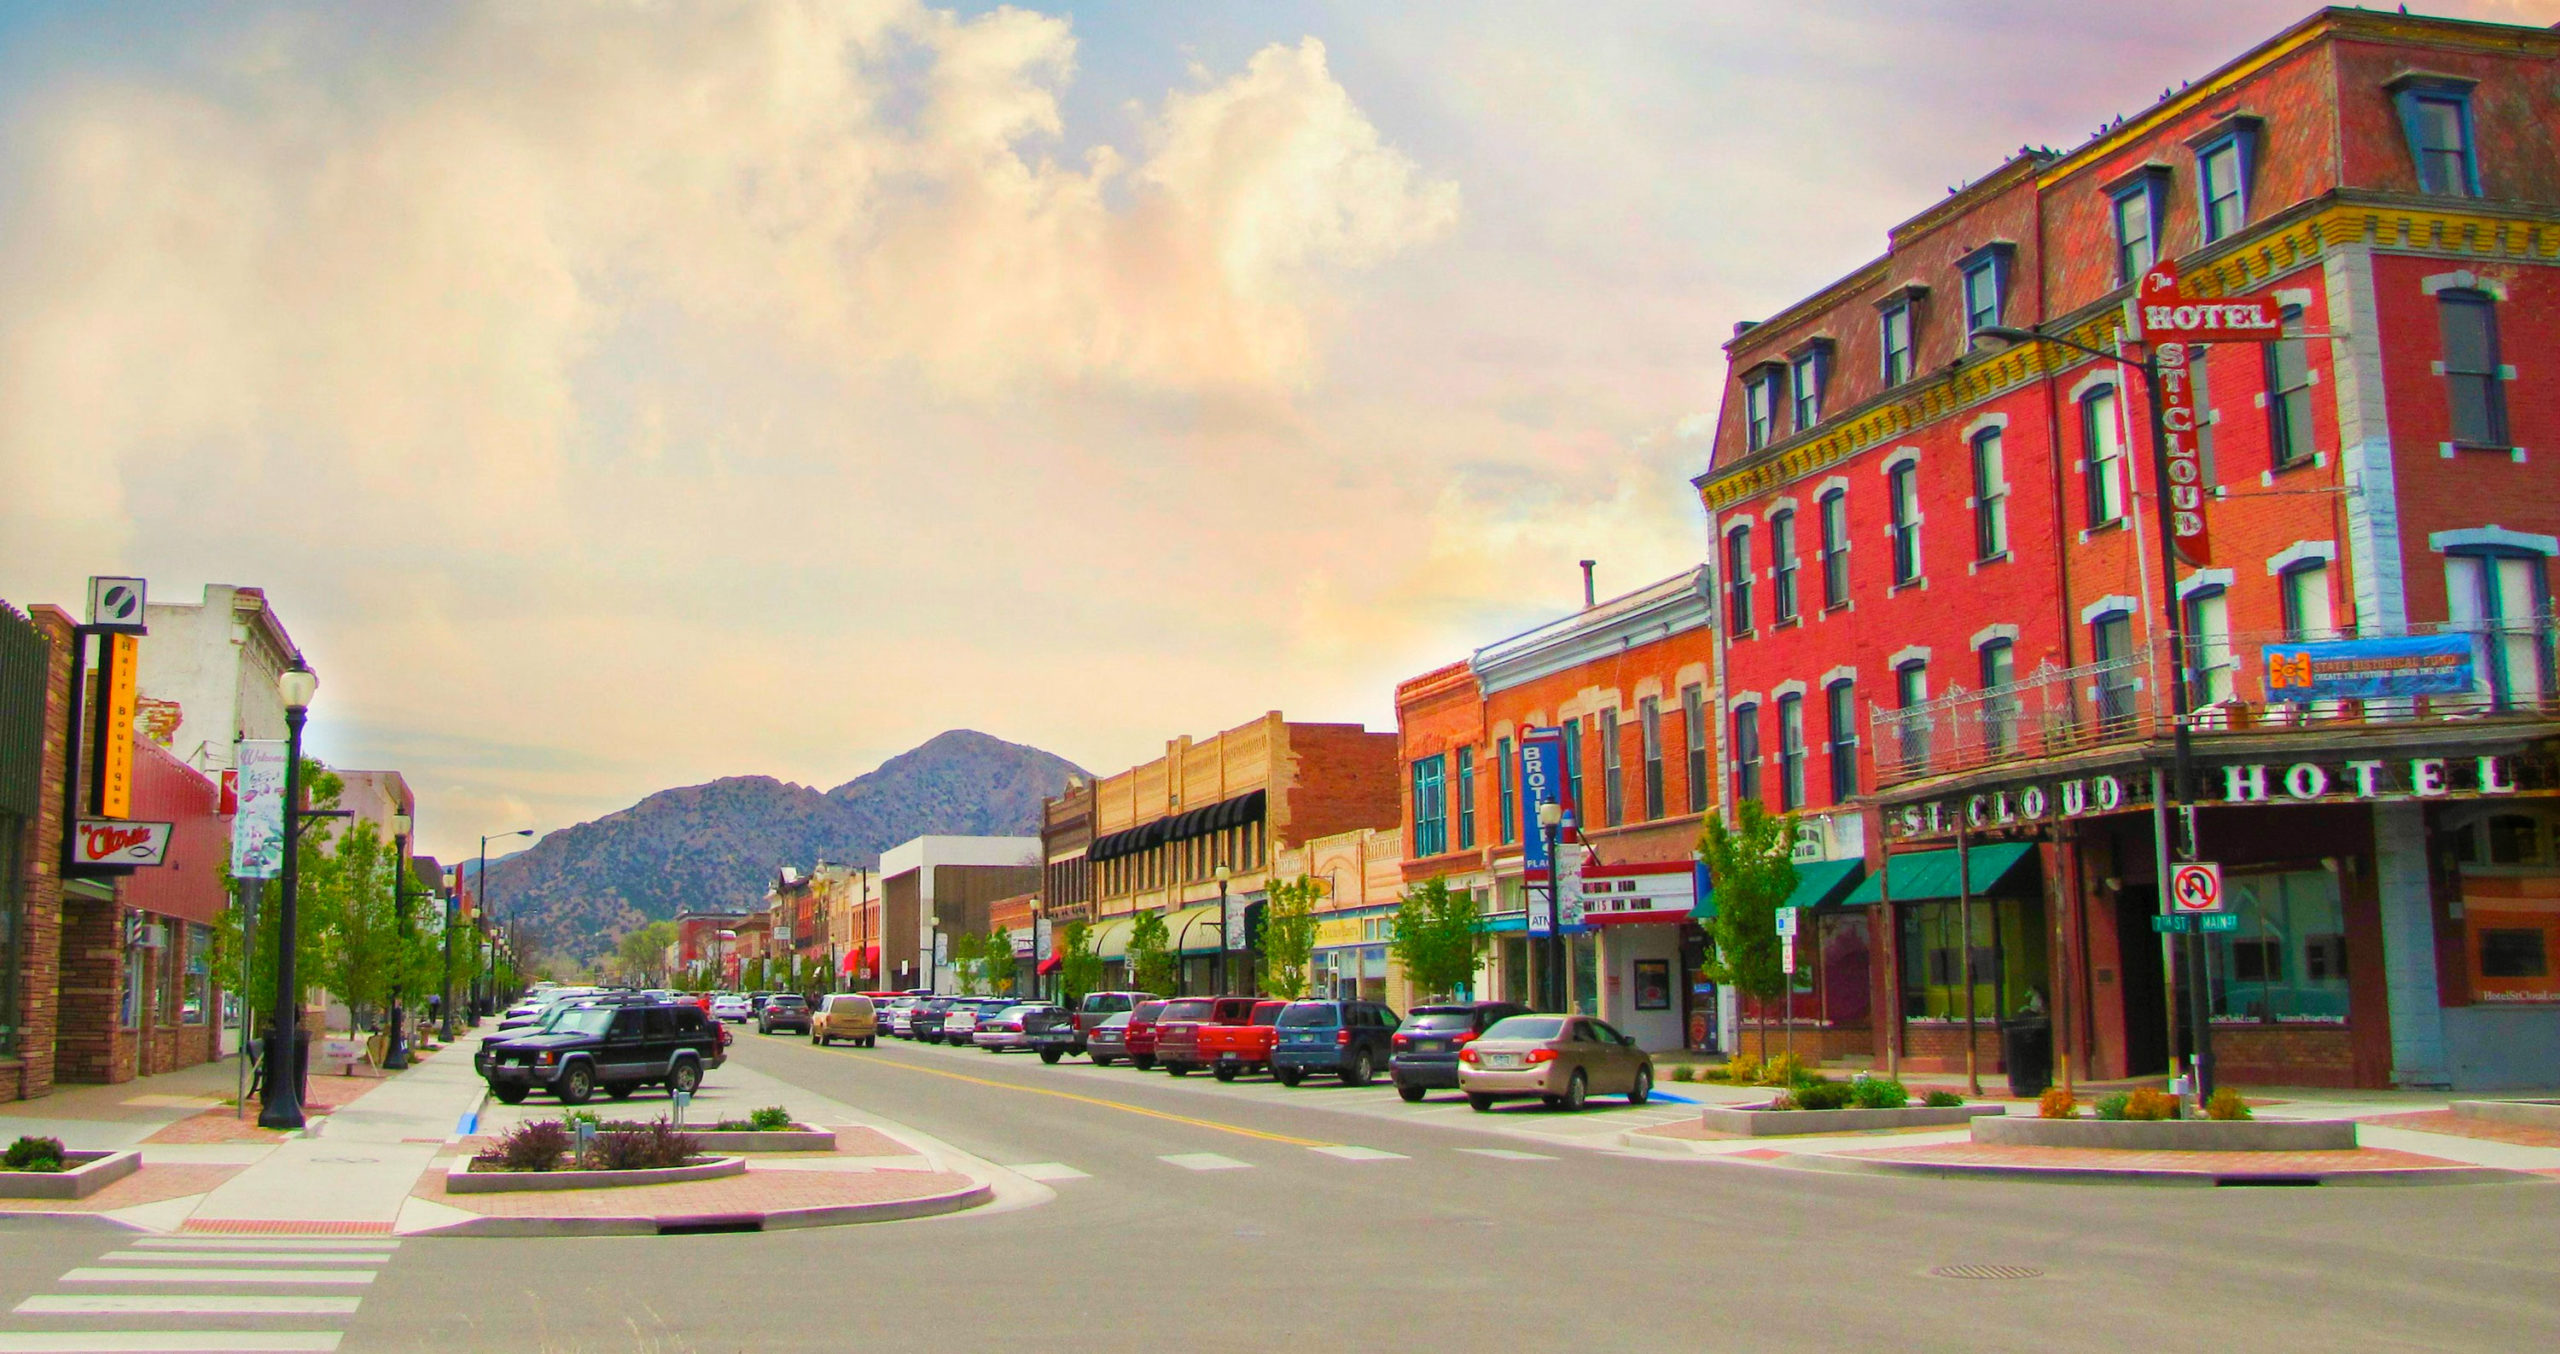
{"x":2364,"y":669}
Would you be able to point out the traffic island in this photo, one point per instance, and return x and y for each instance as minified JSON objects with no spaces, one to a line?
{"x":1764,"y":1121}
{"x":462,"y":1179}
{"x":2541,"y":1114}
{"x":82,"y":1174}
{"x":796,"y":1138}
{"x":2098,"y":1165}
{"x":759,"y":1200}
{"x":2170,"y":1135}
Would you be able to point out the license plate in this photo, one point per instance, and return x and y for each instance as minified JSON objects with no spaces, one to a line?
{"x":1504,"y":1060}
{"x":1229,"y":1057}
{"x":1430,"y":1045}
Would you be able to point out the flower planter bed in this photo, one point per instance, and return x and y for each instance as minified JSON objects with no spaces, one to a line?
{"x":1760,"y":1121}
{"x":82,"y":1174}
{"x":2171,"y":1135}
{"x":2529,"y":1113}
{"x":461,"y":1179}
{"x":797,"y":1138}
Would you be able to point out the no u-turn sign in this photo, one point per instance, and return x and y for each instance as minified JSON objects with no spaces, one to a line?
{"x":2195,"y":886}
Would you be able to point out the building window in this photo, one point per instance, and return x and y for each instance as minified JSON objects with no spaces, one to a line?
{"x":1649,"y":718}
{"x":1430,"y":809}
{"x":2102,"y":456}
{"x":2200,"y":394}
{"x":1737,"y":581}
{"x":1573,"y":768}
{"x":129,"y":1009}
{"x":2222,"y":181}
{"x":1999,"y":673}
{"x":1506,"y":798}
{"x":1986,"y":287}
{"x":1466,"y":797}
{"x":2304,"y":592}
{"x":2437,"y":120}
{"x":2471,"y":370}
{"x":1902,"y":492}
{"x":1782,"y":567}
{"x":2288,"y":958}
{"x":1746,"y":753}
{"x":2504,"y":601}
{"x":1808,"y":373}
{"x":1760,"y":407}
{"x":1835,"y":549}
{"x":2289,"y":394}
{"x":1613,"y":795}
{"x":1840,"y":702}
{"x":1896,"y":337}
{"x":1990,"y":497}
{"x":2120,"y":675}
{"x":1910,"y":692}
{"x":1790,"y":752}
{"x":2137,"y":214}
{"x":2006,"y":962}
{"x":1693,"y":727}
{"x":2210,"y":666}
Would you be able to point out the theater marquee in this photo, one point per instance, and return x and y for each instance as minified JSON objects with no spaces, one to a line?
{"x":2220,"y":784}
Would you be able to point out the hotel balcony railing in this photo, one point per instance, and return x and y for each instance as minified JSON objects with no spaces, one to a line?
{"x":2057,"y":711}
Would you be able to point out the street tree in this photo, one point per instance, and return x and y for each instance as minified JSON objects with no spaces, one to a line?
{"x":643,"y":950}
{"x":1289,"y":937}
{"x":350,"y":906}
{"x":1435,"y":938}
{"x":965,"y":948}
{"x":1751,"y":867}
{"x":996,"y":962}
{"x":246,"y":963}
{"x":1152,"y":967}
{"x":1079,"y":965}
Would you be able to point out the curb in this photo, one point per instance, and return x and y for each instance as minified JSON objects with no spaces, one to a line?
{"x":2106,"y":1175}
{"x":831,"y":1215}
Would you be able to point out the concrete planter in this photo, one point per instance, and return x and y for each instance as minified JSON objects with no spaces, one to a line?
{"x":797,"y":1138}
{"x":1759,"y":1121}
{"x":2172,"y":1135}
{"x":83,"y":1174}
{"x":461,"y":1179}
{"x":2529,"y":1113}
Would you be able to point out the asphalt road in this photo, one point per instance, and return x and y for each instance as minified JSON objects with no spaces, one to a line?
{"x":1351,"y":1221}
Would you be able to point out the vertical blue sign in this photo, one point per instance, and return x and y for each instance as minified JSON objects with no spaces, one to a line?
{"x":1542,"y":781}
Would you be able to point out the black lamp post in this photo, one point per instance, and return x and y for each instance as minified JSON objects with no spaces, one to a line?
{"x":1550,"y":820}
{"x":282,"y":1106}
{"x":1224,"y":982}
{"x":2199,"y":999}
{"x":395,"y":1055}
{"x":480,"y":889}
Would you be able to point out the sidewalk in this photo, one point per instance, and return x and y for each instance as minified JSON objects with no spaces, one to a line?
{"x":112,"y":1118}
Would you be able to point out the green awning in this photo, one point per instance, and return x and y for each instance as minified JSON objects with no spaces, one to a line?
{"x":1924,"y":876}
{"x":1824,"y":882}
{"x":1111,"y":938}
{"x":1193,"y":930}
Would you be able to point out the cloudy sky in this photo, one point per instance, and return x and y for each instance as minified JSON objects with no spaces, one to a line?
{"x":615,"y":396}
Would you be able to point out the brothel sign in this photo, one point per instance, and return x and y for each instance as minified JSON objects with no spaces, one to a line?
{"x":2168,"y":320}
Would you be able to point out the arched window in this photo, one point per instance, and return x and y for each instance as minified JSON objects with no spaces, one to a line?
{"x":1999,"y":671}
{"x":1737,"y":581}
{"x":1902,"y":491}
{"x":1790,"y":752}
{"x":1746,"y":753}
{"x":1782,"y":566}
{"x":2102,"y":456}
{"x":1840,"y":702}
{"x":1835,"y":548}
{"x":1990,"y":497}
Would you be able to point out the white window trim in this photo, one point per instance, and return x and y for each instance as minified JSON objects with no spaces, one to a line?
{"x":1903,"y":658}
{"x":2463,"y":281}
{"x":1743,"y":700}
{"x":1836,"y":676}
{"x":1901,"y":456}
{"x":1983,"y":424}
{"x":1823,"y":490}
{"x":2103,"y":376}
{"x":1988,"y":633}
{"x":2203,"y":580}
{"x":1785,"y":689}
{"x":2301,"y":552}
{"x":2293,"y":296}
{"x":2108,"y":605}
{"x":2494,"y":536}
{"x":1783,"y":504}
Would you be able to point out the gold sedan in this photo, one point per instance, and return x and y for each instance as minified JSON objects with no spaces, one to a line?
{"x":1561,"y":1059}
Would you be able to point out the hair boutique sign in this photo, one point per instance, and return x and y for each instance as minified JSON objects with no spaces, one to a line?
{"x":2358,"y":780}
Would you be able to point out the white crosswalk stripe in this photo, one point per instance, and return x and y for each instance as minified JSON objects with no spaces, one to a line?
{"x":1050,"y":1171}
{"x":156,"y":1284}
{"x":1504,"y":1154}
{"x":1205,"y":1161}
{"x":1349,"y":1153}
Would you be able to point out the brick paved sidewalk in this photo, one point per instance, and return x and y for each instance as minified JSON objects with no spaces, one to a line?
{"x":2216,"y":1164}
{"x":760,"y":1191}
{"x":149,"y":1185}
{"x":2464,"y":1126}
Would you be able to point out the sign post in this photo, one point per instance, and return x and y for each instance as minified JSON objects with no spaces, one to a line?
{"x":2195,"y":886}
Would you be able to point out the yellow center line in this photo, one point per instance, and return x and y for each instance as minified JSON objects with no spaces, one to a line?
{"x":1121,"y":1105}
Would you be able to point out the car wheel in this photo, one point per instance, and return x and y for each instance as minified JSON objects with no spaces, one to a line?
{"x":1479,"y":1102}
{"x":1291,"y":1076}
{"x":1224,"y":1072}
{"x":1103,"y":1060}
{"x":1178,"y":1069}
{"x":1360,"y":1070}
{"x":577,"y":1084}
{"x":1145,"y":1063}
{"x":1643,"y":1089}
{"x":871,"y":1041}
{"x":687,"y":1077}
{"x":620,"y":1090}
{"x":509,"y":1095}
{"x":1412,"y":1094}
{"x":1576,"y":1091}
{"x":1052,"y":1055}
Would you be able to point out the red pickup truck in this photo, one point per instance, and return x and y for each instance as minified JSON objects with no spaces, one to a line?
{"x":1178,"y":1028}
{"x":1233,"y":1050}
{"x":1141,"y":1035}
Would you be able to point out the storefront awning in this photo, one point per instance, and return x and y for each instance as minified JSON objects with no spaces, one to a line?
{"x":1193,"y":930}
{"x":1111,"y":938}
{"x":1824,"y":882}
{"x":1504,"y":924}
{"x":1924,"y":876}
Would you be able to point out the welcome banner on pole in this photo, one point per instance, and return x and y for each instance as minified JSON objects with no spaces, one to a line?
{"x":257,"y":829}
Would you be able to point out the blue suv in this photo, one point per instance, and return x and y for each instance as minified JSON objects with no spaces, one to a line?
{"x":1352,"y":1039}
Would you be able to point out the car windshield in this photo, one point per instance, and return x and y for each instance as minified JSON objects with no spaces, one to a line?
{"x":1526,"y":1027}
{"x":1105,"y":1001}
{"x":1267,"y":1015}
{"x":1305,"y":1013}
{"x":584,"y":1020}
{"x":1440,"y":1020}
{"x":1149,"y":1010}
{"x":1118,"y":1021}
{"x":1188,"y":1010}
{"x":786,"y":1001}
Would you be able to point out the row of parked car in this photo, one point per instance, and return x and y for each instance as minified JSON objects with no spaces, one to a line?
{"x":1490,"y":1050}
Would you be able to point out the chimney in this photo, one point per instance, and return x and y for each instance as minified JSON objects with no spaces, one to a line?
{"x":1590,"y":598}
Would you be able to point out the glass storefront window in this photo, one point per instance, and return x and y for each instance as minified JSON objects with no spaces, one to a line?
{"x":2288,"y":959}
{"x":1841,"y":939}
{"x":2008,"y":959}
{"x":129,"y":1013}
{"x":199,"y":974}
{"x":1585,"y":957}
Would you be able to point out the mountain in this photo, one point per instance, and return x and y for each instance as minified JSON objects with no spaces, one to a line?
{"x":718,"y":844}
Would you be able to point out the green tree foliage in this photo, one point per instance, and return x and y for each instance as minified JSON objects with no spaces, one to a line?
{"x":1436,"y":940}
{"x":247,"y":964}
{"x":1152,"y":966}
{"x":1289,"y":937}
{"x":966,"y":948}
{"x":643,"y":951}
{"x":996,"y":962}
{"x":347,"y":901}
{"x":1079,"y":965}
{"x":1752,"y":866}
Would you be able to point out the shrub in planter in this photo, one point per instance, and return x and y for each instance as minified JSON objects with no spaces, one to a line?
{"x":770,"y":1119}
{"x":2112,"y":1107}
{"x":534,"y":1145}
{"x":653,"y":1147}
{"x":1940,"y":1100}
{"x":2227,"y":1106}
{"x":2148,"y":1104}
{"x":1878,"y":1093}
{"x":1742,"y":1070}
{"x":2057,"y":1103}
{"x":1819,"y":1094}
{"x":1684,"y":1072}
{"x":1784,"y":1069}
{"x":37,"y":1155}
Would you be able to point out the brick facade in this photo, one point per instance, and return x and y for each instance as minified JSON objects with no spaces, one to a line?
{"x":31,"y":1071}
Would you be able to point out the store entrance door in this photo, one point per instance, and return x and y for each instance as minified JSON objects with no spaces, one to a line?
{"x":2146,"y":1013}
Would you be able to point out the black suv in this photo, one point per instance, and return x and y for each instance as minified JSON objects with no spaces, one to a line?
{"x":925,"y":1022}
{"x":1426,"y":1056}
{"x":1350,"y":1038}
{"x":617,"y":1049}
{"x":784,"y":1011}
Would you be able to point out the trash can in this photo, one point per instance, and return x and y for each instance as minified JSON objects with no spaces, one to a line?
{"x":2026,"y":1046}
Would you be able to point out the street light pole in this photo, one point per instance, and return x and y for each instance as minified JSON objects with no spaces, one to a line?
{"x":395,"y":1054}
{"x":282,"y":1106}
{"x":1223,"y":983}
{"x":2181,"y":745}
{"x":1550,"y":820}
